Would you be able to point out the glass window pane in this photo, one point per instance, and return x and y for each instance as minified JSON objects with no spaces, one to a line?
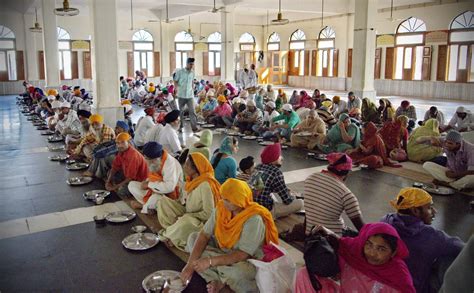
{"x":143,"y":60}
{"x":150,"y":65}
{"x":136,"y":61}
{"x":273,"y":47}
{"x":178,"y":60}
{"x":410,"y":40}
{"x":296,"y":45}
{"x":60,"y":56}
{"x":471,"y":75}
{"x":7,"y":44}
{"x":326,"y":44}
{"x":297,"y":59}
{"x":63,"y":45}
{"x":462,"y":57}
{"x":3,"y":61}
{"x":467,"y":36}
{"x":407,"y":62}
{"x":143,"y":46}
{"x":319,"y":71}
{"x":331,"y":57}
{"x":11,"y":65}
{"x":67,"y":64}
{"x":301,"y":62}
{"x":246,"y":47}
{"x":184,"y":46}
{"x":218,"y":59}
{"x":215,"y":47}
{"x":325,"y":59}
{"x":453,"y":62}
{"x":418,"y":63}
{"x":399,"y":64}
{"x":210,"y":65}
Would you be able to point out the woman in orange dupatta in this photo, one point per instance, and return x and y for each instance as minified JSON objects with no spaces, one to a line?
{"x":235,"y":232}
{"x":182,"y":217}
{"x":371,"y":151}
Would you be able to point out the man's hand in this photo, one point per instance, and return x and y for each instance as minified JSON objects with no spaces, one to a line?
{"x":144,"y":185}
{"x":451,"y":174}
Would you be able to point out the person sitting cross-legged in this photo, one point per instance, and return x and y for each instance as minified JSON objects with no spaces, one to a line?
{"x":315,"y":128}
{"x":249,"y":117}
{"x":431,"y":250}
{"x":98,"y":133}
{"x":129,"y":165}
{"x":165,"y":178}
{"x":290,"y":119}
{"x":168,"y":136}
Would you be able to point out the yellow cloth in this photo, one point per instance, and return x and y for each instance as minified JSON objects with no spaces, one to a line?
{"x":124,"y":136}
{"x":206,"y":174}
{"x":151,"y":89}
{"x":336,"y":99}
{"x":126,"y":102}
{"x":77,"y":92}
{"x":327,"y":104}
{"x":52,"y":92}
{"x":221,"y":99}
{"x":228,"y":228}
{"x":411,"y":197}
{"x":96,"y":118}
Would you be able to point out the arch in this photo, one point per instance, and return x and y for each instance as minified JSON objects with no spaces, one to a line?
{"x":274,"y":38}
{"x":464,"y":20}
{"x":63,"y":34}
{"x":142,"y":36}
{"x":247,"y":38}
{"x":6,"y":33}
{"x":215,"y":37}
{"x":411,"y":25}
{"x":298,"y":35}
{"x":183,"y":37}
{"x":327,"y":33}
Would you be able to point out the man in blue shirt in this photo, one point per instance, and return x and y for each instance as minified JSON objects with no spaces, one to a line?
{"x":183,"y":81}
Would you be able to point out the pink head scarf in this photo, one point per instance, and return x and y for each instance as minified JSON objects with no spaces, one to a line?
{"x":333,"y":159}
{"x":394,"y":273}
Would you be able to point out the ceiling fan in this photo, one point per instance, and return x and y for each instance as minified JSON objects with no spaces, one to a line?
{"x":167,"y":20}
{"x":391,"y":14}
{"x":215,"y":9}
{"x":66,"y":10}
{"x":37,"y":28}
{"x":280,"y":20}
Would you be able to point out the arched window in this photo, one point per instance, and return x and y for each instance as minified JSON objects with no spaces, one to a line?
{"x":64,"y":46}
{"x":297,"y":58}
{"x":143,"y":52}
{"x":214,"y":55}
{"x":327,"y":55}
{"x":461,"y":48}
{"x":184,"y":44}
{"x":273,"y":43}
{"x":297,"y":40}
{"x":8,"y":70}
{"x":247,"y":42}
{"x":409,"y":42}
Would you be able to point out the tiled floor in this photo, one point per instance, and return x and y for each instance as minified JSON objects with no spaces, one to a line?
{"x":48,"y":242}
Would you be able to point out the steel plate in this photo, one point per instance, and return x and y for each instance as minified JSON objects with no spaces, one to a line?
{"x":93,"y":194}
{"x":321,"y":157}
{"x":165,"y":279}
{"x":77,"y":166}
{"x":79,"y":180}
{"x":208,"y":125}
{"x":47,"y":132}
{"x":44,"y":127}
{"x":440,"y":190}
{"x":120,"y":217}
{"x":57,"y":148}
{"x":304,"y":133}
{"x":59,"y":158}
{"x":140,"y":241}
{"x":250,"y":137}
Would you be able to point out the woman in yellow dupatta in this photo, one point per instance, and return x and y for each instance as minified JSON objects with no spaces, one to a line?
{"x":235,"y":232}
{"x":182,"y":217}
{"x":422,"y":152}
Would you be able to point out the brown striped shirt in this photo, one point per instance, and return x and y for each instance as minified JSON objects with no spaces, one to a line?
{"x":325,"y":199}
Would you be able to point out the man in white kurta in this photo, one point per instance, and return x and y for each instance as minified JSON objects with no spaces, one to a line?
{"x":143,"y":125}
{"x":168,"y":137}
{"x":165,"y":178}
{"x":68,"y":124}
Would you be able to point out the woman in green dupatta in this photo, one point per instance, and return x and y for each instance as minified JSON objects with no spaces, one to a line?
{"x":343,"y":136}
{"x":203,"y":145}
{"x":420,"y":152}
{"x":369,"y":111}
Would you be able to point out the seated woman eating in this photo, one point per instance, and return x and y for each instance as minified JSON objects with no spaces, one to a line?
{"x":421,"y":152}
{"x":395,"y":137}
{"x":224,"y":164}
{"x":370,"y":262}
{"x":371,"y":151}
{"x":180,"y":218}
{"x":343,"y":136}
{"x":315,"y":129}
{"x":235,"y":232}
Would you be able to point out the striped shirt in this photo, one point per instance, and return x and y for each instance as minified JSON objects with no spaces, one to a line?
{"x":325,"y":199}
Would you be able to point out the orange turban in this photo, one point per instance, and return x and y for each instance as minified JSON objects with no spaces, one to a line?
{"x":126,"y":102}
{"x":228,"y":229}
{"x":222,"y":99}
{"x":124,"y":136}
{"x":96,"y":118}
{"x":52,"y":92}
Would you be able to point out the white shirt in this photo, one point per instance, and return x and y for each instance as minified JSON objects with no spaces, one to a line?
{"x":337,"y":109}
{"x":439,"y":117}
{"x":248,"y":79}
{"x":71,"y":123}
{"x":172,"y":175}
{"x":143,"y":125}
{"x":168,"y":138}
{"x":458,"y":123}
{"x":267,"y":117}
{"x":153,"y":133}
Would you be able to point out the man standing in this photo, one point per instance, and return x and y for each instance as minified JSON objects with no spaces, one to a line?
{"x":459,"y":171}
{"x":183,"y":81}
{"x":248,"y":81}
{"x":431,"y":250}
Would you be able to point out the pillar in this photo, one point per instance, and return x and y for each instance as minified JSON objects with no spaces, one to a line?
{"x":227,"y":52}
{"x":363,"y":58}
{"x":165,"y":42}
{"x":31,"y":55}
{"x":105,"y":69}
{"x":50,"y":44}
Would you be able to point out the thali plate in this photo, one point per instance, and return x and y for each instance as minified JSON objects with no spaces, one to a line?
{"x":265,"y":143}
{"x":55,"y":138}
{"x":221,"y":130}
{"x":39,"y":123}
{"x":321,"y":157}
{"x":79,"y":180}
{"x":43,"y":127}
{"x":47,"y":132}
{"x":165,"y":279}
{"x":304,"y":133}
{"x":233,"y":133}
{"x":250,"y":137}
{"x":208,"y":126}
{"x":201,"y":122}
{"x":59,"y":158}
{"x":140,"y":241}
{"x":77,"y":166}
{"x":120,"y":217}
{"x":93,"y":194}
{"x":58,"y":148}
{"x":440,"y":190}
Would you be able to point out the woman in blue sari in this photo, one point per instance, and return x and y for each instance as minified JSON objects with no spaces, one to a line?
{"x":343,"y":136}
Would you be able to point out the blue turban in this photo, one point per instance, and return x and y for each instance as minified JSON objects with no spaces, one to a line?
{"x":122,"y":124}
{"x":152,"y":150}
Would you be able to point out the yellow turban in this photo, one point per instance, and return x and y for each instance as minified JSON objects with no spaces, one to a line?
{"x":336,"y":99}
{"x":126,"y":102}
{"x":221,"y":99}
{"x":327,"y":104}
{"x":96,"y":118}
{"x":52,"y":92}
{"x":123,"y":136}
{"x":411,"y":197}
{"x":77,"y":92}
{"x":228,"y":229}
{"x":151,"y":89}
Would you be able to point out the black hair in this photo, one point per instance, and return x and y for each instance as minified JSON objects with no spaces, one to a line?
{"x":246,"y":163}
{"x":121,"y":77}
{"x":183,"y":156}
{"x":391,"y":240}
{"x":219,"y":155}
{"x":351,"y":93}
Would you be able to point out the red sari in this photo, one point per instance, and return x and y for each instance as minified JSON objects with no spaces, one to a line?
{"x":394,"y":136}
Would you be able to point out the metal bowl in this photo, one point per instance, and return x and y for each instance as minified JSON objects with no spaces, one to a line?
{"x":99,"y":220}
{"x":56,"y":148}
{"x":321,"y":157}
{"x":96,"y":193}
{"x":139,"y":228}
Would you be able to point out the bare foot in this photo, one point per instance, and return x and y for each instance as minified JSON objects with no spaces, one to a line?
{"x":168,"y":243}
{"x":136,"y":205}
{"x":215,"y":287}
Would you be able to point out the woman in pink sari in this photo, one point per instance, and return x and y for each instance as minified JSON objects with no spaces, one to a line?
{"x":304,"y":99}
{"x":370,"y":262}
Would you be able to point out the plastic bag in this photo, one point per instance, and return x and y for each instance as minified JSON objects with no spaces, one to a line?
{"x":276,"y":276}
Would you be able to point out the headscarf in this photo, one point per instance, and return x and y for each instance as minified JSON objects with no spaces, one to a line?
{"x":294,"y":100}
{"x":206,"y":138}
{"x":206,"y":174}
{"x":390,"y":133}
{"x":221,"y":99}
{"x":454,"y":136}
{"x":394,"y":273}
{"x":226,"y":146}
{"x":411,"y":197}
{"x":336,"y":99}
{"x":369,"y":111}
{"x":430,"y":128}
{"x":343,"y":117}
{"x":304,"y":98}
{"x":373,"y":140}
{"x":337,"y":162}
{"x":227,"y":228}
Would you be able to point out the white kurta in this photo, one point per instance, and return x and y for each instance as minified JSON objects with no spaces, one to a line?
{"x":169,"y":140}
{"x":172,"y":176}
{"x":153,"y":133}
{"x":70,"y":124}
{"x":143,"y":125}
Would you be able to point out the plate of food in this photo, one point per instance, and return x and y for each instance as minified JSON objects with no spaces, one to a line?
{"x":266,"y":142}
{"x":94,"y":194}
{"x":55,"y":138}
{"x":208,"y":126}
{"x":164,"y":281}
{"x":42,"y":127}
{"x":121,"y":217}
{"x":59,"y":158}
{"x":77,"y":166}
{"x":140,"y":241}
{"x":321,"y":157}
{"x":440,"y":190}
{"x":233,"y":133}
{"x":47,"y":132}
{"x":38,"y":123}
{"x":56,"y":148}
{"x":250,"y":137}
{"x":304,"y":133}
{"x":79,"y":180}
